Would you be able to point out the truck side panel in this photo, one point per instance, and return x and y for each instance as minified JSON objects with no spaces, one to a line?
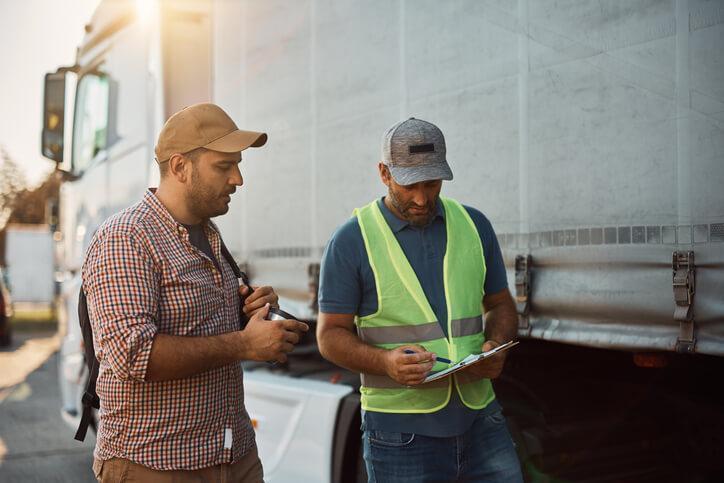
{"x":581,"y":131}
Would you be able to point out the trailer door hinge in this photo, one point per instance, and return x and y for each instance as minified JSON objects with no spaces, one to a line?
{"x":684,"y":282}
{"x":523,"y":264}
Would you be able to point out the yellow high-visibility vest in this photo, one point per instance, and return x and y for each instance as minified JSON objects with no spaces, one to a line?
{"x":404,"y":315}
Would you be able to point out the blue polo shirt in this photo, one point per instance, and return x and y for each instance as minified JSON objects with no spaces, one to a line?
{"x":347,"y":286}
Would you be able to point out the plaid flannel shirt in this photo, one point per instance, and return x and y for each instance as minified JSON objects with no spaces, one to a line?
{"x":142,"y":276}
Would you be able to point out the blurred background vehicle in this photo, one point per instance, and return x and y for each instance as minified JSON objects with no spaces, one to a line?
{"x":29,"y":252}
{"x":590,"y":134}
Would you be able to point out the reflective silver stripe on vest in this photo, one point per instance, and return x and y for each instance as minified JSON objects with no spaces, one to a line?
{"x":384,"y":382}
{"x":399,"y":334}
{"x":468,"y":326}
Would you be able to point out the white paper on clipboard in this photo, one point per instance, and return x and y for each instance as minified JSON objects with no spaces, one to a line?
{"x":471,"y":359}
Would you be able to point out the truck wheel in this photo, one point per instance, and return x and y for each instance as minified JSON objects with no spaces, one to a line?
{"x":6,"y":337}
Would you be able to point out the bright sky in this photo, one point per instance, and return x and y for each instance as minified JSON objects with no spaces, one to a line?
{"x":36,"y":36}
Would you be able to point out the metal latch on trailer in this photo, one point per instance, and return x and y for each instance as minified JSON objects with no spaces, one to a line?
{"x":523,"y":264}
{"x":684,"y":282}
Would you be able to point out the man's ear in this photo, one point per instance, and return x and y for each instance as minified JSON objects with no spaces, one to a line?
{"x":384,"y":173}
{"x":179,"y":167}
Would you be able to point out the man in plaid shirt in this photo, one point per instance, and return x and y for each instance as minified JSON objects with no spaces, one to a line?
{"x":164,"y":307}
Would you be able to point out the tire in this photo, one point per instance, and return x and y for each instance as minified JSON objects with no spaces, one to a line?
{"x":5,"y":332}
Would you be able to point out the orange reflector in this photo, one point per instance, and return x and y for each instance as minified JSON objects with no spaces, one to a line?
{"x":254,"y":423}
{"x":651,"y":360}
{"x":334,"y":379}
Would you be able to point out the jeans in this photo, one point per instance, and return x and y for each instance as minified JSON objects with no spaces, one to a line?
{"x":484,"y":453}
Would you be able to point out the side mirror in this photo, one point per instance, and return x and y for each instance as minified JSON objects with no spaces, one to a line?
{"x":59,"y":86}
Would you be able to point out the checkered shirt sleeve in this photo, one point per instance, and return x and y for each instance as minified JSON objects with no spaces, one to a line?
{"x":122,"y":289}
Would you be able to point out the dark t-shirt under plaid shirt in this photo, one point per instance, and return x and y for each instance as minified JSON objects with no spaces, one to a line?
{"x":143,"y":277}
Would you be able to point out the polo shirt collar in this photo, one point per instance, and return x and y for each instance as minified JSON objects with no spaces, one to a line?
{"x":396,"y":224}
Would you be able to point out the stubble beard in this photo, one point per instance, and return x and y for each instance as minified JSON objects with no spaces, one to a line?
{"x":201,"y":200}
{"x":415,"y":220}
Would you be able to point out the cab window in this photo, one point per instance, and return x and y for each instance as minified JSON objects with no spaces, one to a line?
{"x":90,"y":123}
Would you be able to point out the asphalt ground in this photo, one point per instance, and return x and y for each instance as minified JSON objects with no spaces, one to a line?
{"x":35,"y":443}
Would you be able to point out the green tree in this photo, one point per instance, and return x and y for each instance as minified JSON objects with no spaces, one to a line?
{"x":12,"y":183}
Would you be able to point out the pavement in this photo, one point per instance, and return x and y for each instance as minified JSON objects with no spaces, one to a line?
{"x":35,"y":443}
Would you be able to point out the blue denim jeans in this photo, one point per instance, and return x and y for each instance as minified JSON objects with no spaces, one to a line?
{"x":485,"y":452}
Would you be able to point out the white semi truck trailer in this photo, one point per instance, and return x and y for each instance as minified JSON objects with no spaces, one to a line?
{"x":591,"y":134}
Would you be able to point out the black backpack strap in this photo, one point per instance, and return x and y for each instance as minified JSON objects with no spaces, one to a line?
{"x":90,"y":399}
{"x":243,"y":319}
{"x":230,"y":260}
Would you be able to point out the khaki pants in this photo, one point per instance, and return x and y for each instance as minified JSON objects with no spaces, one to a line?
{"x":116,"y":470}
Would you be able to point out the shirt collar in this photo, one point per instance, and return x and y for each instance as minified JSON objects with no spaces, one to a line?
{"x":396,"y":224}
{"x":150,"y":200}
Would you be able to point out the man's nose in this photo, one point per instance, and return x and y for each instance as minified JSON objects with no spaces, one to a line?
{"x":419,"y":197}
{"x":236,"y":178}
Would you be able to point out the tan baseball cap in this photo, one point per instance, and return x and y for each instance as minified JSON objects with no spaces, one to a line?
{"x":204,"y":125}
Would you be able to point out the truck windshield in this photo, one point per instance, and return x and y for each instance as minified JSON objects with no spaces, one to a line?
{"x":90,"y":126}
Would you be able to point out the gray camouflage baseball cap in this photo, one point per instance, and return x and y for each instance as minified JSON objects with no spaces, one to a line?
{"x":414,"y":151}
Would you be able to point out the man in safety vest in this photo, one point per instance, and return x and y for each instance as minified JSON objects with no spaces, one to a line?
{"x":403,"y":286}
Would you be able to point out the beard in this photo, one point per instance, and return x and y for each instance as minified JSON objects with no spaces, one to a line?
{"x":205,"y":202}
{"x":405,"y":209}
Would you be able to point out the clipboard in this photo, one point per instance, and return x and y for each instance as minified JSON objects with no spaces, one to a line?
{"x":471,"y":359}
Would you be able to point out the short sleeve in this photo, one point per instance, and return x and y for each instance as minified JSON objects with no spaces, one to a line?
{"x":340,"y":281}
{"x":495,"y":276}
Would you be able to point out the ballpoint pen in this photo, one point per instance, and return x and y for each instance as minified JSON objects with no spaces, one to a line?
{"x":437,"y":358}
